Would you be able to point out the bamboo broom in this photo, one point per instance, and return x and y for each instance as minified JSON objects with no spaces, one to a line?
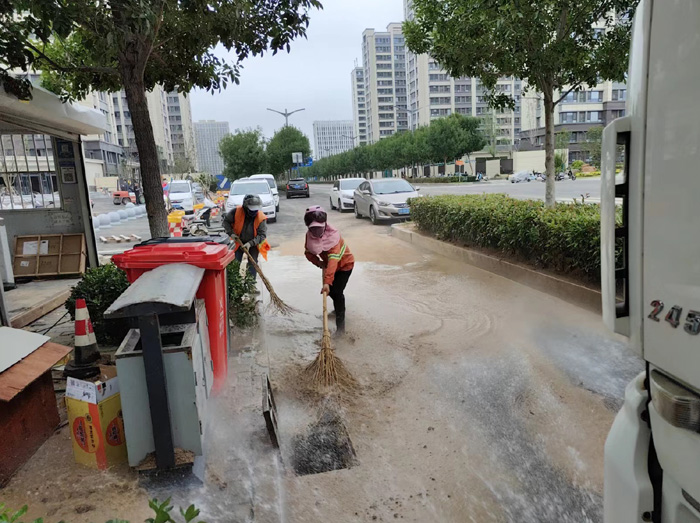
{"x":275,"y":300}
{"x":327,"y":369}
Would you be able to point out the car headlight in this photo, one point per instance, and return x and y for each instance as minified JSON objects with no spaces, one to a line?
{"x":384,"y":204}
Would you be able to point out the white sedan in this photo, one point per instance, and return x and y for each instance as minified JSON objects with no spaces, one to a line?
{"x":342,"y":193}
{"x":239,"y":189}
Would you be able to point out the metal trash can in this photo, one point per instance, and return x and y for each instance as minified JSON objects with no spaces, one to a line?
{"x":164,"y":367}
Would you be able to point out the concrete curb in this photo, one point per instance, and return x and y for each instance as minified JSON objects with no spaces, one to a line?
{"x":578,"y":295}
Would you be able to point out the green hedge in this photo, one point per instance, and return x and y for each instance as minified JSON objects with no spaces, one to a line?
{"x":564,"y":239}
{"x":443,"y":179}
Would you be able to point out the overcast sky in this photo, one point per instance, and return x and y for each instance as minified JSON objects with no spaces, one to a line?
{"x":314,"y":75}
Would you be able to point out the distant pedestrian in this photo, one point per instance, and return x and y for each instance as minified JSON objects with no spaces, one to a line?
{"x":325,"y":248}
{"x":137,"y":194}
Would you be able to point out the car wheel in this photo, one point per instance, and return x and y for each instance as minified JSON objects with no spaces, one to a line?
{"x":529,"y":180}
{"x":273,"y":220}
{"x":308,"y":195}
{"x":373,"y":216}
{"x":512,"y":181}
{"x":125,"y":201}
{"x":288,"y":197}
{"x":330,"y":202}
{"x":277,"y":208}
{"x":357,"y":212}
{"x":340,"y":209}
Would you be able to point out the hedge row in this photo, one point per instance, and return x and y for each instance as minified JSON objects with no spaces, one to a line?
{"x":443,"y":179}
{"x":565,"y":239}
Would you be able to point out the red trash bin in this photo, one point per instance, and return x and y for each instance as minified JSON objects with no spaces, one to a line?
{"x":211,"y":256}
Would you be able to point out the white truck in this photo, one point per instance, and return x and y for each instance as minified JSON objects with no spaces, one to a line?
{"x":652,"y":294}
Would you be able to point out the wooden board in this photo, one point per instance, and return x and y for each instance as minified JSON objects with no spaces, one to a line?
{"x":49,"y":255}
{"x":15,"y":379}
{"x":27,"y":316}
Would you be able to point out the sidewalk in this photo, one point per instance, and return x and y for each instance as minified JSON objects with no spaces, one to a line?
{"x":30,"y":301}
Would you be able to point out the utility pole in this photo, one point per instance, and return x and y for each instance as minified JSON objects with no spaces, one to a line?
{"x":286,"y":114}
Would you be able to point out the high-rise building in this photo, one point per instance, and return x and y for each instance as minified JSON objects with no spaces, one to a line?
{"x":182,"y":132}
{"x":208,"y":134}
{"x":577,"y":113}
{"x":432,"y":93}
{"x":384,"y":63}
{"x":359,"y":106}
{"x":332,"y":137}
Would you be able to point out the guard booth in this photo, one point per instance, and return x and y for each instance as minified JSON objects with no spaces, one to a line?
{"x":43,"y":190}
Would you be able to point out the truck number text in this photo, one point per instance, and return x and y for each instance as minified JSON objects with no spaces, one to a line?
{"x":692,"y":319}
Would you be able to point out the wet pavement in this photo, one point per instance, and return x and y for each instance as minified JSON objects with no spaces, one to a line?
{"x":480,"y":400}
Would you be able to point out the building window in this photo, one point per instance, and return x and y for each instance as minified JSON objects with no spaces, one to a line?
{"x":619,"y":94}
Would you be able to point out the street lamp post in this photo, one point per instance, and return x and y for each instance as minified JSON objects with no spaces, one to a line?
{"x":286,"y":114}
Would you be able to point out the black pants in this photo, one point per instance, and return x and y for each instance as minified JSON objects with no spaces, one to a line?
{"x":254,"y":253}
{"x":336,"y":294}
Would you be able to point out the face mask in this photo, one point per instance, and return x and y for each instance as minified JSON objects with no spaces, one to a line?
{"x":251,"y":213}
{"x":317,"y":232}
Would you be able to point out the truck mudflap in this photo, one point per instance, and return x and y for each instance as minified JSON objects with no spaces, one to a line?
{"x":628,"y":492}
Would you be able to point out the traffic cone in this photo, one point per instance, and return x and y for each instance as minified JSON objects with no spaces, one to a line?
{"x":86,"y":352}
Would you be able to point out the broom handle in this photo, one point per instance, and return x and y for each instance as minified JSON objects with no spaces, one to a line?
{"x":325,"y":306}
{"x":252,"y":262}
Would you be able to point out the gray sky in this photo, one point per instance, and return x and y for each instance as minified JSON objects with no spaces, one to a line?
{"x":315,"y":74}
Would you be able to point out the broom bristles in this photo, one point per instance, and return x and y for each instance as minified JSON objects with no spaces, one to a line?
{"x":327,"y":370}
{"x":275,"y":301}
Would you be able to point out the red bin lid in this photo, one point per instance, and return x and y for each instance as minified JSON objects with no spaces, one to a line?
{"x":207,"y":255}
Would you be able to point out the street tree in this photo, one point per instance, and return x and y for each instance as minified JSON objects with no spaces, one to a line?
{"x":243,"y":153}
{"x":555,"y":46}
{"x":286,"y":141}
{"x":86,"y":45}
{"x":445,"y":138}
{"x":473,"y":138}
{"x":592,"y":145}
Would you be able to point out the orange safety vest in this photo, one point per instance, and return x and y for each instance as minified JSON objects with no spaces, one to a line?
{"x":239,"y":218}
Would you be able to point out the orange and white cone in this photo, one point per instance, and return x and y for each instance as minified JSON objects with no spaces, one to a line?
{"x":86,"y":352}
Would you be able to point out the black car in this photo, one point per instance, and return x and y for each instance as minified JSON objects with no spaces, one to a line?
{"x":297,"y":187}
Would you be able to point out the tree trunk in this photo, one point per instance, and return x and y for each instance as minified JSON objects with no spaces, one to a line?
{"x":549,"y":197}
{"x":148,"y":155}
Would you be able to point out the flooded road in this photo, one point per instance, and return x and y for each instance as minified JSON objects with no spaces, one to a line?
{"x":480,"y":400}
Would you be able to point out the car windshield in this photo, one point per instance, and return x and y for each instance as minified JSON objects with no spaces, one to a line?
{"x":391,"y":186}
{"x":297,"y":181}
{"x":179,"y":187}
{"x":250,"y":188}
{"x":349,"y":185}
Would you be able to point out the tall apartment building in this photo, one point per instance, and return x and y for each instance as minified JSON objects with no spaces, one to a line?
{"x":208,"y":134}
{"x":432,"y":93}
{"x":359,"y":106}
{"x":332,"y":137}
{"x":182,"y":131}
{"x":158,"y":110}
{"x":577,"y":113}
{"x":384,"y":63}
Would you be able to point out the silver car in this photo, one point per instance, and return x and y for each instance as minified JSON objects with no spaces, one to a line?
{"x":384,"y":199}
{"x":521,"y":176}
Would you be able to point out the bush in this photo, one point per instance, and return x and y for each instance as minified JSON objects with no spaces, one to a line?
{"x":577,"y":164}
{"x":439,"y":179}
{"x":564,"y":239}
{"x":99,"y":287}
{"x":242,"y":311}
{"x":590,"y":174}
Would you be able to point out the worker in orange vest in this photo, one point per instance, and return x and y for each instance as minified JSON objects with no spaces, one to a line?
{"x":249,"y":223}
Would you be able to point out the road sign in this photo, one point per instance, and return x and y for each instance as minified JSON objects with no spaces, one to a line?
{"x":309,"y":162}
{"x":298,"y":158}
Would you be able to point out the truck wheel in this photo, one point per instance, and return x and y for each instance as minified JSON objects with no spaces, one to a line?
{"x":125,"y":201}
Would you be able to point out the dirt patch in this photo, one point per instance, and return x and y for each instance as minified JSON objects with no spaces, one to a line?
{"x":324,"y":447}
